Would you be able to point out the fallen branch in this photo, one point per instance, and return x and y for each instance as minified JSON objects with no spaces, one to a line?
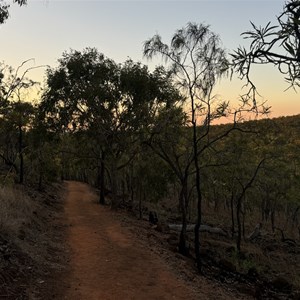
{"x":203,"y":228}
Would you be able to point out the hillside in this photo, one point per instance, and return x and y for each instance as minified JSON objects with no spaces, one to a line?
{"x":33,"y":225}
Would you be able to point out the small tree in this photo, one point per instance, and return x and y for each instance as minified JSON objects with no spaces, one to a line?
{"x":197,"y":62}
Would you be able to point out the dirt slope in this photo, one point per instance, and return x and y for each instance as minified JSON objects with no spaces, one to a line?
{"x":108,"y":262}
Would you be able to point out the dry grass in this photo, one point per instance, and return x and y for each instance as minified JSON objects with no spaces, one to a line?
{"x":16,"y":210}
{"x":31,"y":241}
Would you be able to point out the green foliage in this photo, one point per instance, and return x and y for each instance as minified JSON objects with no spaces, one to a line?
{"x":155,"y":175}
{"x":107,"y":107}
{"x":88,"y":90}
{"x":276,"y":187}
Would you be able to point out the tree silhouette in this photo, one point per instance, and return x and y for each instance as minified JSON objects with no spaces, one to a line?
{"x":4,"y":13}
{"x":16,"y":114}
{"x":197,"y":61}
{"x":110,"y":103}
{"x":278,"y":45}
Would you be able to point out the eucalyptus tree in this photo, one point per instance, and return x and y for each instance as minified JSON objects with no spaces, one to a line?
{"x":111,"y":103}
{"x":82,"y":95}
{"x":197,"y":61}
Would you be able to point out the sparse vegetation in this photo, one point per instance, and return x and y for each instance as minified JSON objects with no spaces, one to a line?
{"x":146,"y":140}
{"x":16,"y":209}
{"x":30,"y":248}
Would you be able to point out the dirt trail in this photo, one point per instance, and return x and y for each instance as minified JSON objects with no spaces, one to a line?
{"x":107,"y":261}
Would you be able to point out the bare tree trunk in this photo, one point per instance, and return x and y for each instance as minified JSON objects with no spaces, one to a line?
{"x":273,"y":219}
{"x":123,"y":192}
{"x":102,"y":179}
{"x":114,"y":200}
{"x":243,"y":222}
{"x":263,"y":210}
{"x":183,"y":198}
{"x":239,"y":205}
{"x":131,"y":196}
{"x":198,"y":189}
{"x":40,"y":184}
{"x":130,"y":186}
{"x":63,"y":167}
{"x":295,"y":214}
{"x":216,"y":200}
{"x":21,"y":170}
{"x":239,"y":226}
{"x":232,"y":215}
{"x":140,"y":202}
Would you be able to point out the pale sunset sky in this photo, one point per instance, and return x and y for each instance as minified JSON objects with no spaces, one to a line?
{"x":44,"y":29}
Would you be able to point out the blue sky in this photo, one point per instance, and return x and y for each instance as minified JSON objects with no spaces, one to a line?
{"x":44,"y":29}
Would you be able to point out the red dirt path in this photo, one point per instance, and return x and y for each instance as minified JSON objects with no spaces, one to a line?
{"x":107,"y":262}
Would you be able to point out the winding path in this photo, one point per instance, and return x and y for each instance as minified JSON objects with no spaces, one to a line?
{"x":107,"y":261}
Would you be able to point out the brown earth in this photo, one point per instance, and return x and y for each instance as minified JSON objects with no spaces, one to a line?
{"x":107,"y":261}
{"x":70,"y":247}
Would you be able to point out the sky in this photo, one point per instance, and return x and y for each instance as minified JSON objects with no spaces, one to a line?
{"x":44,"y":29}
